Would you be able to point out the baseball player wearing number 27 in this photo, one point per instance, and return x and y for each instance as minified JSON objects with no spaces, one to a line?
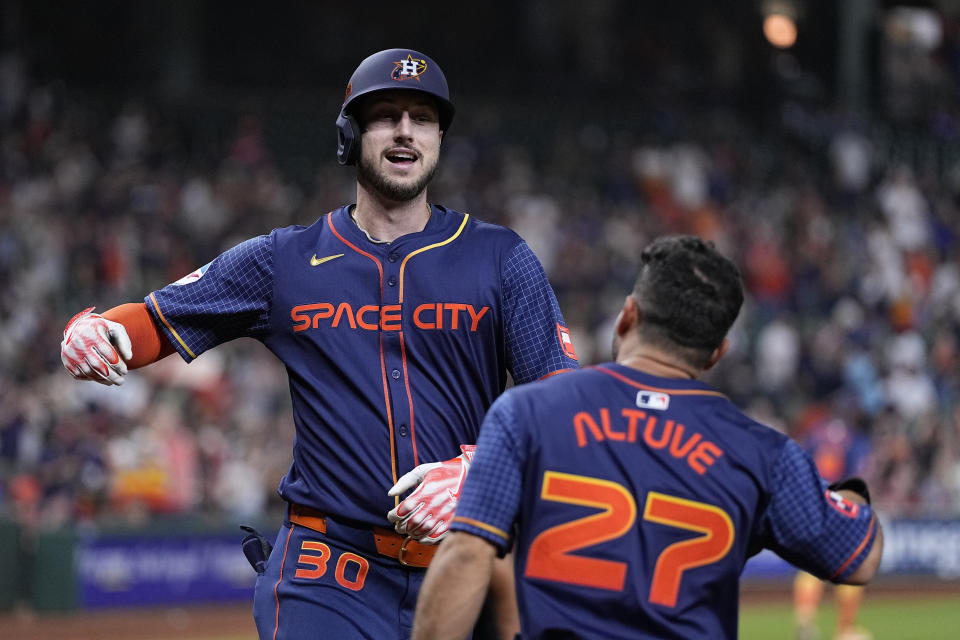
{"x":638,"y":492}
{"x":398,"y":321}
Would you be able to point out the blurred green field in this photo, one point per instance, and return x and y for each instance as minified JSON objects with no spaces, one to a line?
{"x":887,"y":617}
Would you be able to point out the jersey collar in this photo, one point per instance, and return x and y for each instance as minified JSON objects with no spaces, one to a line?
{"x":441,"y":224}
{"x":652,"y":381}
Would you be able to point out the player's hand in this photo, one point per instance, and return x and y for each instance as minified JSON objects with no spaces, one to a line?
{"x":426,"y":513}
{"x":95,"y":348}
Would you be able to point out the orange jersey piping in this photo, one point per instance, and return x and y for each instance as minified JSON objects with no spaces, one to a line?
{"x":482,"y":525}
{"x":863,"y":543}
{"x":383,"y":366}
{"x":276,"y":587}
{"x":406,"y":383}
{"x":170,"y":329}
{"x":403,"y":350}
{"x":553,"y":373}
{"x":672,"y":392}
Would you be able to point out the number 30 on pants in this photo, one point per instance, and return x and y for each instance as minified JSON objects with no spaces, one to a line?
{"x":316,"y":555}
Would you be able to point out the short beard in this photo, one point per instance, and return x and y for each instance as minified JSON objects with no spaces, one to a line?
{"x":389,"y":189}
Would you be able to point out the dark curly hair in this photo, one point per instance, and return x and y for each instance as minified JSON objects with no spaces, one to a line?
{"x":688,"y":296}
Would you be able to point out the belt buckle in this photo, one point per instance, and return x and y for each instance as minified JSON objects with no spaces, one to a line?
{"x":403,"y":551}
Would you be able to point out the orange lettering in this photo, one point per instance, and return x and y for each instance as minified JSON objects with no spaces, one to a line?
{"x":701,"y":458}
{"x":664,"y":438}
{"x":455,"y":309}
{"x":581,"y":419}
{"x":607,"y":431}
{"x":553,"y":553}
{"x":362,"y":567}
{"x":475,"y":317}
{"x":344,"y":306}
{"x":326,"y":313}
{"x":319,"y":563}
{"x":420,"y":323}
{"x":678,"y":451}
{"x":297,"y":316}
{"x":391,"y":317}
{"x":365,"y":309}
{"x":390,"y":314}
{"x":716,"y":537}
{"x":634,"y":416}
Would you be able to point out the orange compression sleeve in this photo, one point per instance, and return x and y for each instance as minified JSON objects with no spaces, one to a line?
{"x":149,"y":345}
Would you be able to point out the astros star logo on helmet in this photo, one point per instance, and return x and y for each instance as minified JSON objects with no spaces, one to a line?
{"x":409,"y":67}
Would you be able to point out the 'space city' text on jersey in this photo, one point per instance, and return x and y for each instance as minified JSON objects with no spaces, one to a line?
{"x":388,"y":317}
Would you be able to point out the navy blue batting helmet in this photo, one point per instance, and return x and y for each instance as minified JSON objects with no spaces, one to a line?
{"x":389,"y":69}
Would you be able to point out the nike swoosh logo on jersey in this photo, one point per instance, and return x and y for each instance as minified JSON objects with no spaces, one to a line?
{"x":315,"y":261}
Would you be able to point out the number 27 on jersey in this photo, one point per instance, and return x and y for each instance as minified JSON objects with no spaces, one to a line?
{"x":551,"y":554}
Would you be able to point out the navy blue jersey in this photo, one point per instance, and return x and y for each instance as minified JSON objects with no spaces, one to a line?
{"x":393,"y":351}
{"x":637,"y":500}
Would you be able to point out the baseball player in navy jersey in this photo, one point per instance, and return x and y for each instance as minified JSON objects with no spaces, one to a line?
{"x":397,"y":321}
{"x":632,"y":492}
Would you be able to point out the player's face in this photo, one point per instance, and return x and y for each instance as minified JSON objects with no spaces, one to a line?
{"x":401,"y":143}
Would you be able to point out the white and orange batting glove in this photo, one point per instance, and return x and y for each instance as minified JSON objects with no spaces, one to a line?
{"x":426,"y":513}
{"x":95,"y":348}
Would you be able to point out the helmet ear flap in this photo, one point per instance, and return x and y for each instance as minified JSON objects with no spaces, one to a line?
{"x":348,"y":139}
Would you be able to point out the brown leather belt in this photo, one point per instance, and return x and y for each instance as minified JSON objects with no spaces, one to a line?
{"x":391,"y":544}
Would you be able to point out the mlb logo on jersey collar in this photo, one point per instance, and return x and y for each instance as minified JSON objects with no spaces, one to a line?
{"x":653,"y":400}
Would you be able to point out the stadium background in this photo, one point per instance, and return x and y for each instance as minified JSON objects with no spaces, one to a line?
{"x":140,"y":139}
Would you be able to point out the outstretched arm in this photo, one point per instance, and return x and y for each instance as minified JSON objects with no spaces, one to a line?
{"x":828,"y":530}
{"x":454,"y":588}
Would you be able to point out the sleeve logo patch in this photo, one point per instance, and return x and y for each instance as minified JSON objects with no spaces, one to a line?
{"x":841,"y":504}
{"x":566,"y":342}
{"x":193,"y":277}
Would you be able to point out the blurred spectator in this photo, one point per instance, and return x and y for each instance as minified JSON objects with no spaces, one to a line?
{"x":849,"y":250}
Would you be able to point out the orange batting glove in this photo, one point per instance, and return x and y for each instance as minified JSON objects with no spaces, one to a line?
{"x":426,"y":513}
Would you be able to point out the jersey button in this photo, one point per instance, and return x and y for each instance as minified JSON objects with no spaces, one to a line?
{"x":396,"y":374}
{"x":392,"y":281}
{"x":403,"y":431}
{"x":393,"y":257}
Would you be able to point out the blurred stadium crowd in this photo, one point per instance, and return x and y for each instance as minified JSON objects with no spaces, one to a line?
{"x":847,"y":231}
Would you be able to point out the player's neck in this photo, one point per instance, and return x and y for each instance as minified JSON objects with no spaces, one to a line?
{"x":656,"y":363}
{"x":385,"y":221}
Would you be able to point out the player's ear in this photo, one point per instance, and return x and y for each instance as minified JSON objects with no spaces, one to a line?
{"x":718,"y":353}
{"x":629,"y":315}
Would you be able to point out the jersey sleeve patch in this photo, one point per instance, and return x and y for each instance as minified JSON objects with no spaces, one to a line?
{"x":841,"y":504}
{"x":566,"y":342}
{"x":192,"y":277}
